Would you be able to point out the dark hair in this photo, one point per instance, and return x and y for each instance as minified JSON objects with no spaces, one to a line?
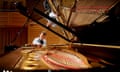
{"x":44,"y":33}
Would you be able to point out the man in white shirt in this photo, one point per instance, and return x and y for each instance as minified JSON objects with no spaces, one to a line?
{"x":41,"y":40}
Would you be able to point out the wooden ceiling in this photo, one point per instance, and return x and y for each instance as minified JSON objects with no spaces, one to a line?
{"x":87,"y":11}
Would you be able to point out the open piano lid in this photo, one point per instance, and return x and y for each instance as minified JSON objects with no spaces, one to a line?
{"x":92,"y":28}
{"x":95,"y":38}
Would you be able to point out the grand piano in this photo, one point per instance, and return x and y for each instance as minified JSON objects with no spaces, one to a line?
{"x":90,"y":27}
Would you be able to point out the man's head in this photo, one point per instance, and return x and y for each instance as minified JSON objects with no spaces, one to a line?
{"x":43,"y":35}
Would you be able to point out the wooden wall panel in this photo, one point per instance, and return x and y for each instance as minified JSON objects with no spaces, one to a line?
{"x":10,"y":24}
{"x":1,"y":45}
{"x":35,"y":29}
{"x":3,"y":19}
{"x":8,"y":34}
{"x":11,"y":19}
{"x":16,"y":19}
